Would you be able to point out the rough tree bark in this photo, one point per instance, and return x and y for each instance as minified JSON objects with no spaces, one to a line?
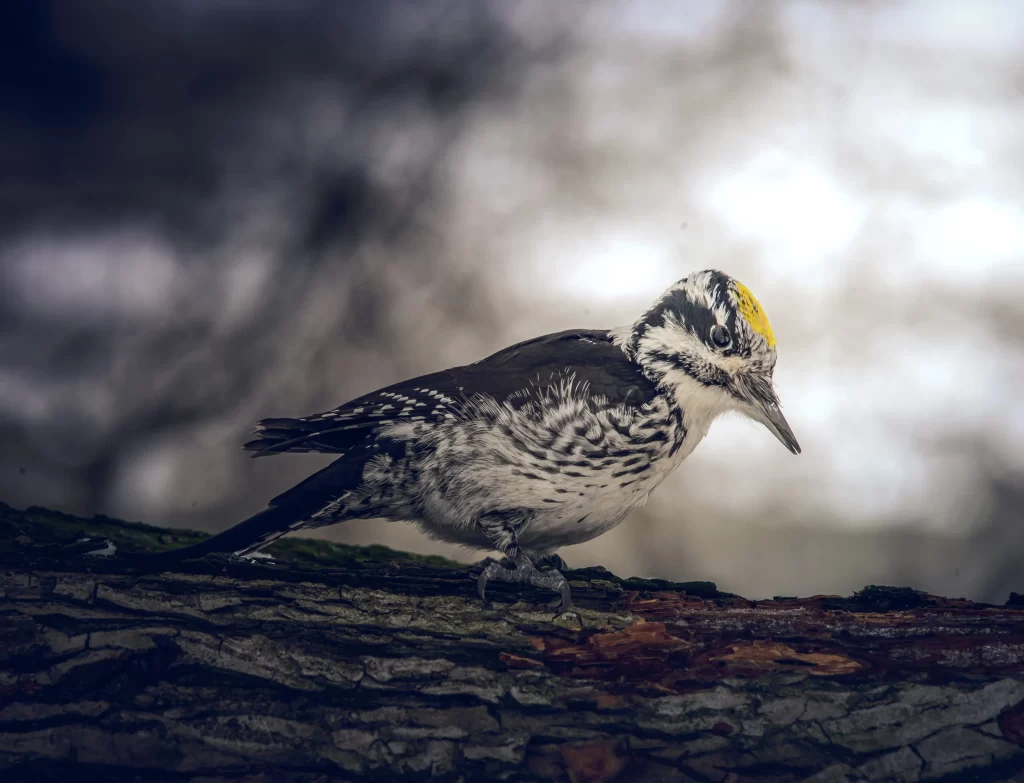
{"x":391,"y":668}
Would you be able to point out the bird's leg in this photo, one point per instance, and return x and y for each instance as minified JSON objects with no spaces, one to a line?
{"x":543,"y":562}
{"x":524,"y":571}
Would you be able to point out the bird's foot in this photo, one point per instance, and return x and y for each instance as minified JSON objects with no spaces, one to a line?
{"x":526,"y":573}
{"x":542,"y":563}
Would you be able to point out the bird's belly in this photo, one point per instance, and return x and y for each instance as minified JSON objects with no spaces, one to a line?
{"x":551,"y":531}
{"x":559,"y":511}
{"x":576,"y":522}
{"x":561,"y":493}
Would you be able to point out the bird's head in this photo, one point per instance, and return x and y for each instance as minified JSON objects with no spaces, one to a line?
{"x":707,"y":340}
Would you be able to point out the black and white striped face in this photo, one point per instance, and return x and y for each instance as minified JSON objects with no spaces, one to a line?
{"x":709,"y":339}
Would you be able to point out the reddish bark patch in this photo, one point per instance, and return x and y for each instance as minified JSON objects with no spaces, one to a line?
{"x":760,"y":657}
{"x":610,"y":701}
{"x":519,"y":662}
{"x":663,"y":604}
{"x":880,"y":631}
{"x":640,"y":652}
{"x":595,"y":762}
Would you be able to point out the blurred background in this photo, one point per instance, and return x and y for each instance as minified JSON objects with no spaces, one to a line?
{"x":213,"y":212}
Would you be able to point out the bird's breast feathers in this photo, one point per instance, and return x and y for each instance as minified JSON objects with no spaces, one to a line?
{"x":575,"y":463}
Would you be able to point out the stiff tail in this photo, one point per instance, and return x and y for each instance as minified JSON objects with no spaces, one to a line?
{"x":287,"y":512}
{"x":246,"y":537}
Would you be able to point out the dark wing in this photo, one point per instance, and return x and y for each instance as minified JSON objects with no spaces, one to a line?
{"x":512,"y":375}
{"x":590,"y":356}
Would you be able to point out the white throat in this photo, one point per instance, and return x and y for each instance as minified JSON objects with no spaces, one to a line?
{"x":700,"y":404}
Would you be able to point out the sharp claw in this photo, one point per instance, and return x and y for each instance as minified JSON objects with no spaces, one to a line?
{"x":481,"y":586}
{"x":527,"y":574}
{"x":491,"y":570}
{"x":566,"y":597}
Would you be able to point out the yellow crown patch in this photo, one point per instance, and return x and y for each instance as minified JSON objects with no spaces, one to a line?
{"x":751,"y":309}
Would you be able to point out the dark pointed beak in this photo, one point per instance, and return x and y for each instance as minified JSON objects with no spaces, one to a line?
{"x":770,"y":415}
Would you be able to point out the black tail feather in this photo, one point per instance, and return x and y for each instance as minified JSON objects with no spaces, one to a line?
{"x":246,"y":537}
{"x":287,"y":512}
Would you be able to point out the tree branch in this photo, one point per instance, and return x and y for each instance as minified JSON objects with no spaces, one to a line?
{"x":391,"y":668}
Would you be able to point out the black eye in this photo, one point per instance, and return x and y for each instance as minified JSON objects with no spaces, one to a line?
{"x":720,"y":336}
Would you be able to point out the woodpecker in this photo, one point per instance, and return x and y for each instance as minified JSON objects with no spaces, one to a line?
{"x":550,"y":442}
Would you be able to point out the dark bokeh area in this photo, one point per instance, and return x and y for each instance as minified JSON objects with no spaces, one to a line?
{"x":213,"y":212}
{"x":229,"y":197}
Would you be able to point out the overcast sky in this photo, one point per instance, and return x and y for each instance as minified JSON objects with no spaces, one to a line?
{"x":219,"y":212}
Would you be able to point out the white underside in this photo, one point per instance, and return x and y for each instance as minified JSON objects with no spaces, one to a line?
{"x":584,"y":506}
